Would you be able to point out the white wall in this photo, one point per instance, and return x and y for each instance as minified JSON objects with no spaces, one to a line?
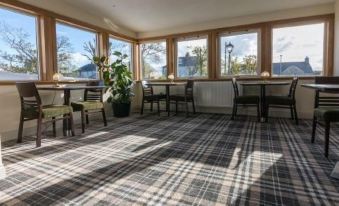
{"x":336,"y":39}
{"x":63,"y":8}
{"x":277,"y":15}
{"x":217,"y":97}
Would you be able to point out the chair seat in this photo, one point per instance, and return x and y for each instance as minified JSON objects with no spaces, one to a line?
{"x":330,"y":114}
{"x":154,"y":97}
{"x":50,"y":111}
{"x":248,"y":99}
{"x":87,"y":105}
{"x":279,"y":100}
{"x":181,"y":97}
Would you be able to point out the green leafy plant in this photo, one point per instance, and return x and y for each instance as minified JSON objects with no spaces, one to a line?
{"x":117,"y":76}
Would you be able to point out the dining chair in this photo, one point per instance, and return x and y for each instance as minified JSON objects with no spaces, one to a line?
{"x":185,"y":98}
{"x":32,"y":108}
{"x":326,"y":110}
{"x":285,"y":102}
{"x":92,"y":103}
{"x":148,"y":96}
{"x":244,"y":100}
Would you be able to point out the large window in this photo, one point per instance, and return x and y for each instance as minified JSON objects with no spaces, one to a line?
{"x":153,"y":60}
{"x":126,"y":48}
{"x":75,"y":50}
{"x":192,"y":57}
{"x":298,"y":50}
{"x":239,"y":53}
{"x":18,"y":46}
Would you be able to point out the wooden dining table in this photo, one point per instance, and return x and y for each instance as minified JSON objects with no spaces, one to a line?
{"x":66,"y":89}
{"x":167,"y":85}
{"x":262,"y":85}
{"x":326,"y":88}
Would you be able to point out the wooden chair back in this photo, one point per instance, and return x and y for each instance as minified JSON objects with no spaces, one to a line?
{"x":293,"y":87}
{"x":29,"y":95}
{"x":94,"y":94}
{"x":235,"y":87}
{"x":326,"y":101}
{"x":189,"y":88}
{"x":147,"y":90}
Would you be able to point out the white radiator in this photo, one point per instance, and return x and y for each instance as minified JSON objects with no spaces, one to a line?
{"x":213,"y":94}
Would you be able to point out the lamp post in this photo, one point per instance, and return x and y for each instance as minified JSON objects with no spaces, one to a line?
{"x":228,"y":48}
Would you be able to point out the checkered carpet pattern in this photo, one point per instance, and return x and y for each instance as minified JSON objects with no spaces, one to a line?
{"x":205,"y":159}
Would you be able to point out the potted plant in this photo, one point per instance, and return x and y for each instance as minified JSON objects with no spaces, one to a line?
{"x":120,"y":82}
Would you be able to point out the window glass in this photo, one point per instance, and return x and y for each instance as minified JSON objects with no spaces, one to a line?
{"x":75,"y":50}
{"x":18,"y":46}
{"x":123,"y":47}
{"x":192,"y":57}
{"x":239,"y":54}
{"x":298,"y":50}
{"x":153,"y":60}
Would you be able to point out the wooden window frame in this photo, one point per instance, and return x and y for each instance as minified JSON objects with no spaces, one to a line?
{"x":132,"y":52}
{"x":258,"y":31}
{"x":168,"y":60}
{"x":328,"y":38}
{"x":46,"y":43}
{"x":175,"y":55}
{"x":38,"y":33}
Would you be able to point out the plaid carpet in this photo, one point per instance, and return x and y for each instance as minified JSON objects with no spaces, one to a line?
{"x":202,"y":160}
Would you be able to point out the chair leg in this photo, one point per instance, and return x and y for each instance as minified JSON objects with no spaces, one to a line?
{"x":104,"y":116}
{"x":327,"y":137}
{"x":54,"y":126}
{"x":267,"y":110}
{"x":39,"y":131}
{"x":142,"y":107}
{"x":193,"y":105}
{"x":186,"y":109}
{"x":21,"y":127}
{"x":72,"y":123}
{"x":83,"y":121}
{"x":314,"y":128}
{"x":64,"y":127}
{"x":234,"y":111}
{"x":176,"y":107}
{"x":151,"y":106}
{"x":292,"y":112}
{"x":296,"y":115}
{"x":87,"y":119}
{"x":158,"y":103}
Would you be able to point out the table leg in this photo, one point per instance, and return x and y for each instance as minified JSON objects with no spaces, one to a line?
{"x":168,"y":100}
{"x":263,"y":102}
{"x":66,"y":123}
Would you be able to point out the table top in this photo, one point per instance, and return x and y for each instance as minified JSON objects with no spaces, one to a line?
{"x":166,"y":83}
{"x":322,"y":87}
{"x":259,"y":83}
{"x":69,"y":87}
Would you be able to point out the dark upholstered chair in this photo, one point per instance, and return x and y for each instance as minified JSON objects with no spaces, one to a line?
{"x":326,"y":110}
{"x":148,"y":96}
{"x":185,"y":98}
{"x":244,"y":100}
{"x":287,"y":102}
{"x":32,"y":108}
{"x":93,"y":103}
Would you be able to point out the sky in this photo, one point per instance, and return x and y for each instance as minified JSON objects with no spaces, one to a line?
{"x":77,"y":37}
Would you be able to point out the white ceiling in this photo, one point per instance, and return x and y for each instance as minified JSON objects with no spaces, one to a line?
{"x":156,"y":15}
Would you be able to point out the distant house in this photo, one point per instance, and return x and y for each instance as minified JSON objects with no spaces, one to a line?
{"x":186,"y":64}
{"x":88,"y":71}
{"x":293,"y":68}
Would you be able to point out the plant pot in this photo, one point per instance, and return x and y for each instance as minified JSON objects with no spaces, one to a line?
{"x":121,"y":109}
